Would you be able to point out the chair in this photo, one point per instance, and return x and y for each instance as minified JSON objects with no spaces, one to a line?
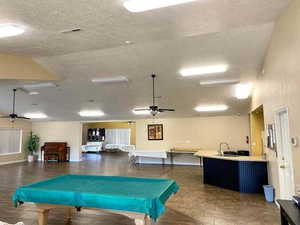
{"x":58,"y":151}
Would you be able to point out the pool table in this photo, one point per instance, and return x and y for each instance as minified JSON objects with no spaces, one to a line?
{"x":141,"y":199}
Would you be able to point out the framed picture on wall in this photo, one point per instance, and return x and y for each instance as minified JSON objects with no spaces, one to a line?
{"x":155,"y":132}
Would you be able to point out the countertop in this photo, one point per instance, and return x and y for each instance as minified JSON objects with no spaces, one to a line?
{"x":214,"y":154}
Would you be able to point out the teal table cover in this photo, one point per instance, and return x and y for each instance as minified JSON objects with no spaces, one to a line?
{"x":144,"y":195}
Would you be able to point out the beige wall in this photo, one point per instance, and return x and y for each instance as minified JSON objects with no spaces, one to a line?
{"x":204,"y":132}
{"x":26,"y":128}
{"x":111,"y":125}
{"x":279,"y":86}
{"x":70,"y":132}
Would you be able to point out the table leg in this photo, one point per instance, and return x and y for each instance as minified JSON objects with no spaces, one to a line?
{"x":43,"y":216}
{"x":139,"y":222}
{"x":145,"y":221}
{"x":69,"y":214}
{"x":171,"y":158}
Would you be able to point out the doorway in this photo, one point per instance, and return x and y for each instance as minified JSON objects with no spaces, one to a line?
{"x":285,"y":154}
{"x":257,"y":125}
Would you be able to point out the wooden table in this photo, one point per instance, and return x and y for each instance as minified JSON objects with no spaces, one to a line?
{"x":290,"y":213}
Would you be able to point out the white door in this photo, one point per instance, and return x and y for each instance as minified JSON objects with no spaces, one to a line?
{"x":285,"y":157}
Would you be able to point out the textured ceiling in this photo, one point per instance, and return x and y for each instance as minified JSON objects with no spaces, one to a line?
{"x":164,"y":41}
{"x":106,"y":23}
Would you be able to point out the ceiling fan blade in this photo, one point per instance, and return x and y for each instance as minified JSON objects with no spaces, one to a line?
{"x":23,"y":118}
{"x":166,"y":110}
{"x":142,"y":109}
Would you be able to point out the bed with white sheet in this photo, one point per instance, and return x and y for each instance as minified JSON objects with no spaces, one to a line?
{"x":92,"y":147}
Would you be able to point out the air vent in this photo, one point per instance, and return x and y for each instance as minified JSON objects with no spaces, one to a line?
{"x":71,"y":30}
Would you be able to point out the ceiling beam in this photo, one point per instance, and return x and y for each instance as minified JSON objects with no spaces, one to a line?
{"x":14,"y":67}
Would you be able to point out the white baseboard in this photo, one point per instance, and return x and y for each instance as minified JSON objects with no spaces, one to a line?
{"x":12,"y":162}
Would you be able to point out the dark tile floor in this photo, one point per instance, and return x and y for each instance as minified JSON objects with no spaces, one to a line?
{"x":194,"y":204}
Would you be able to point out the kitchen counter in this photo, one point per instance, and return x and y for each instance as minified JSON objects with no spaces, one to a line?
{"x":214,"y":154}
{"x":246,"y":174}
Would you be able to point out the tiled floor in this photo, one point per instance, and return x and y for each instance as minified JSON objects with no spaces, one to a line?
{"x":194,"y":204}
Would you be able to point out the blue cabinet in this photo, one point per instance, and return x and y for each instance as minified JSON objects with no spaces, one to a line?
{"x":242,"y":176}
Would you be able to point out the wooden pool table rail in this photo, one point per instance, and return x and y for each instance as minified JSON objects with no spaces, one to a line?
{"x":43,"y":211}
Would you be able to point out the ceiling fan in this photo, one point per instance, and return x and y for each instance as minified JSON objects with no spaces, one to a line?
{"x":13,"y":116}
{"x":154,"y":109}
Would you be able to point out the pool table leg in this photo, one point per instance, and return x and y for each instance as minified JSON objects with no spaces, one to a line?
{"x":43,"y":216}
{"x":69,"y":214}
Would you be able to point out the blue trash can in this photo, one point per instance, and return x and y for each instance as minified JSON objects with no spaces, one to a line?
{"x":269,"y":193}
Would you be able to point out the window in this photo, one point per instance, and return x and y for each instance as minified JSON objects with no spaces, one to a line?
{"x":117,"y":136}
{"x":10,"y":141}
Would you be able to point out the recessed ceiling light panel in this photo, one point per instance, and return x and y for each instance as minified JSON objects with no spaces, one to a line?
{"x":145,"y":5}
{"x":107,"y":80}
{"x":141,"y":112}
{"x":9,"y":30}
{"x":33,"y":93}
{"x":211,"y":108}
{"x":37,"y":115}
{"x":91,"y":113}
{"x":218,"y":82}
{"x":203,"y":70}
{"x":40,"y":85}
{"x":243,"y":91}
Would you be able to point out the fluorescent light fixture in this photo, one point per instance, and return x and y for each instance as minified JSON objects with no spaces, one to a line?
{"x":116,"y":79}
{"x":211,"y":108}
{"x":91,"y":113}
{"x":33,"y":93}
{"x":36,"y":115}
{"x":218,"y":82}
{"x":9,"y":30}
{"x":40,"y":85}
{"x":141,"y":112}
{"x":243,"y":91}
{"x":203,"y":70}
{"x":145,"y":5}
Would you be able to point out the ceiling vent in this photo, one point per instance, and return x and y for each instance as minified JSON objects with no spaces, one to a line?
{"x":71,"y":30}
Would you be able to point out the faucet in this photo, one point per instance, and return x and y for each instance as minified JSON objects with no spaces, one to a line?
{"x":220,"y":148}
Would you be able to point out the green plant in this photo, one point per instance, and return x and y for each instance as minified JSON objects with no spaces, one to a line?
{"x":33,"y":143}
